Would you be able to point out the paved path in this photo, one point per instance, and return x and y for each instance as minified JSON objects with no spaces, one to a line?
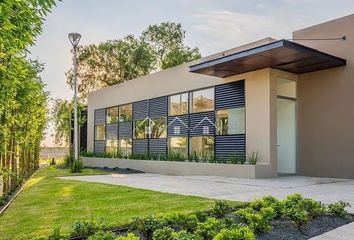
{"x":326,"y":190}
{"x":345,"y":232}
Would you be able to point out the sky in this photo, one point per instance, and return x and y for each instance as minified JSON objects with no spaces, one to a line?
{"x":211,"y":25}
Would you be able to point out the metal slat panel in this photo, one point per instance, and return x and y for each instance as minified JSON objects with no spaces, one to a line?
{"x":227,"y":146}
{"x":158,"y":107}
{"x":202,"y":124}
{"x":231,"y":95}
{"x":178,"y":125}
{"x":99,"y":146}
{"x":140,"y":146}
{"x":111,"y":131}
{"x":100,"y":116}
{"x":157,"y":146}
{"x":125,"y":129}
{"x":140,"y":109}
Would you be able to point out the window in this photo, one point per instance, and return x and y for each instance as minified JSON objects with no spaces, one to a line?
{"x":202,"y":147}
{"x":125,"y":113}
{"x":178,"y":145}
{"x":99,"y":132}
{"x":203,"y":100}
{"x":125,"y":146}
{"x":111,"y":146}
{"x":158,"y":127}
{"x":112,"y":115}
{"x":230,"y":121}
{"x":141,"y":129}
{"x":178,"y":104}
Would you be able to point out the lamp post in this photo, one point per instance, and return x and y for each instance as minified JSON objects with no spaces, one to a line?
{"x":75,"y":39}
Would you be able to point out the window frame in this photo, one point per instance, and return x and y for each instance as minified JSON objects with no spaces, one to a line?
{"x":217,"y":122}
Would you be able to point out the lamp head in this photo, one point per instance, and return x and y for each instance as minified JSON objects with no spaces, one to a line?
{"x":74,"y":39}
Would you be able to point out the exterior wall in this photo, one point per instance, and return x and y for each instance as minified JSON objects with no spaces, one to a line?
{"x":325,"y":105}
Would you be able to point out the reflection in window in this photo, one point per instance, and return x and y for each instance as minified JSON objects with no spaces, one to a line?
{"x":111,"y":146}
{"x":178,"y":145}
{"x":203,"y":100}
{"x":125,"y":146}
{"x":141,"y":129}
{"x":112,"y":115}
{"x":202,"y":147}
{"x":230,"y":121}
{"x":99,"y":132}
{"x":178,"y":104}
{"x":125,"y":113}
{"x":158,"y":127}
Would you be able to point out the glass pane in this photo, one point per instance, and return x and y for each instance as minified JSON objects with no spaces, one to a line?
{"x":141,"y":129}
{"x":111,"y":146}
{"x":230,"y":121}
{"x":175,"y":104}
{"x":202,"y":147}
{"x":178,"y":145}
{"x":112,"y":115}
{"x":158,"y":127}
{"x":286,"y":88}
{"x":100,"y":132}
{"x":125,"y":146}
{"x":184,"y":103}
{"x":203,"y":100}
{"x":125,"y":113}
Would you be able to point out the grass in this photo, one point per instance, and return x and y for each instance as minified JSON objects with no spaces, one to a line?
{"x":48,"y":202}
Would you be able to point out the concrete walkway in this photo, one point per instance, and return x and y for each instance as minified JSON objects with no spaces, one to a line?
{"x":345,"y":232}
{"x":327,"y":190}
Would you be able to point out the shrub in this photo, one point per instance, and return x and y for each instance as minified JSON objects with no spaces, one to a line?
{"x":313,"y":208}
{"x":257,"y":221}
{"x":68,"y":160}
{"x":184,"y":235}
{"x":77,"y":166}
{"x":268,"y":201}
{"x":221,"y":208}
{"x":87,"y":227}
{"x":208,"y":229}
{"x":237,"y":159}
{"x":338,"y":208}
{"x":201,"y":216}
{"x":179,"y":222}
{"x":130,"y":236}
{"x":235,"y":233}
{"x":147,"y":225}
{"x":56,"y":235}
{"x":102,"y":235}
{"x":165,"y":233}
{"x":299,"y":216}
{"x":253,"y":157}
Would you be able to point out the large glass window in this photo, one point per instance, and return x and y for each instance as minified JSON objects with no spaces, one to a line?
{"x":202,"y":147}
{"x":112,"y":115}
{"x":203,"y":100}
{"x":126,"y":113}
{"x":178,"y":145}
{"x":141,"y":129}
{"x":158,"y":127}
{"x":99,"y":132}
{"x":230,"y":121}
{"x":111,"y":146}
{"x":125,"y":146}
{"x":178,"y":104}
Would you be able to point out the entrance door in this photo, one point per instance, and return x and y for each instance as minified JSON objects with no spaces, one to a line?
{"x":286,"y":135}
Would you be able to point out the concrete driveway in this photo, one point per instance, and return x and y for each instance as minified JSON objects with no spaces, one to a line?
{"x":326,"y":190}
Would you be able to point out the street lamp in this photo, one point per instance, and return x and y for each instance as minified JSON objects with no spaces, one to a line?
{"x":75,"y":39}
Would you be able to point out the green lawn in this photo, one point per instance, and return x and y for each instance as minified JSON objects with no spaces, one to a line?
{"x":48,"y":202}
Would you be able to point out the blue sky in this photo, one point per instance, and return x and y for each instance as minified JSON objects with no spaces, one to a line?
{"x":211,"y":25}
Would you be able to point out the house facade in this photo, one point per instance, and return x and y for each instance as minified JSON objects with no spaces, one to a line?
{"x":286,"y":102}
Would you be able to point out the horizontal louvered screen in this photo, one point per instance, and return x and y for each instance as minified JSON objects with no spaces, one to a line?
{"x":158,"y":107}
{"x":231,"y":145}
{"x":100,"y":116}
{"x":231,"y":95}
{"x":157,"y":146}
{"x":126,"y":129}
{"x":99,"y":146}
{"x":111,"y":131}
{"x":140,"y":109}
{"x":178,"y":125}
{"x":202,"y":123}
{"x":140,"y":146}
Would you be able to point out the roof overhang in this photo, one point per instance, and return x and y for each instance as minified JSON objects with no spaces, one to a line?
{"x":283,"y":55}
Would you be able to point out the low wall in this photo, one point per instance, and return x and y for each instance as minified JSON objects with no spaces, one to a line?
{"x":184,"y":168}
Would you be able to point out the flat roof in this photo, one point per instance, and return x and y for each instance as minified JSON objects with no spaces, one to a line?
{"x":283,"y":55}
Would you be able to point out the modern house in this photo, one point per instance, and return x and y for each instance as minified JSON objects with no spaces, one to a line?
{"x":289,"y":101}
